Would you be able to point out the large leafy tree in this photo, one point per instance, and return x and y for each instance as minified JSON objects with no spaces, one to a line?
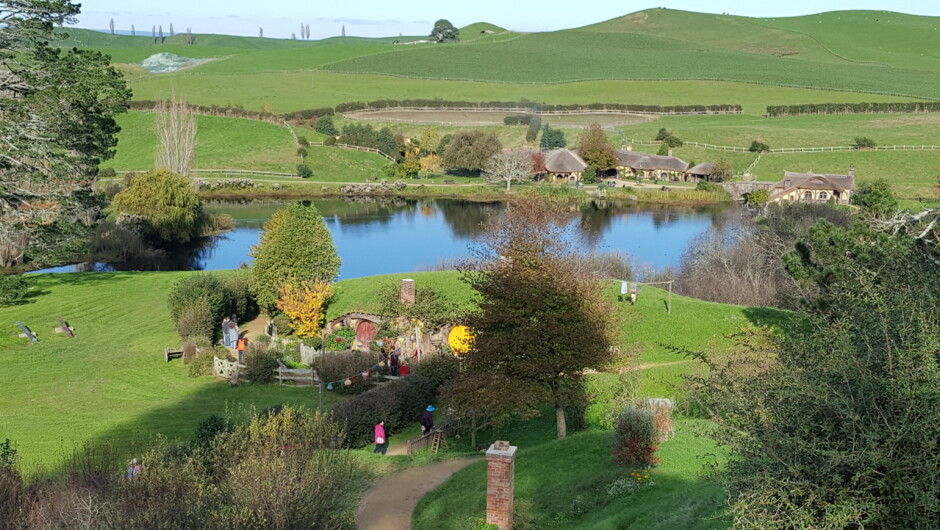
{"x":444,"y":31}
{"x":596,"y":149}
{"x":56,"y":118}
{"x":295,"y":247}
{"x":167,"y":202}
{"x":542,"y":321}
{"x":842,"y":430}
{"x":471,"y":150}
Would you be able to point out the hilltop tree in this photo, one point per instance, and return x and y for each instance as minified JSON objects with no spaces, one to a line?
{"x":542,"y":322}
{"x":260,"y":32}
{"x":444,"y":31}
{"x":160,"y":33}
{"x":133,"y":31}
{"x":57,"y":123}
{"x":509,"y":166}
{"x":471,"y":150}
{"x":111,"y":25}
{"x":596,"y":149}
{"x":295,"y":247}
{"x":171,"y":29}
{"x":153,"y":34}
{"x":343,"y":33}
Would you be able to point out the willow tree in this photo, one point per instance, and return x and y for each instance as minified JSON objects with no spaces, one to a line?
{"x":541,"y":322}
{"x":57,"y":122}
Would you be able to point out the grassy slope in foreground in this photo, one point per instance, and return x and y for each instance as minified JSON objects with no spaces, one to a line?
{"x":110,"y":380}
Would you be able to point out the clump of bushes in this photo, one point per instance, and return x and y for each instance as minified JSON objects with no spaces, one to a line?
{"x":199,"y":302}
{"x":261,"y":362}
{"x":398,"y":403}
{"x":759,"y":147}
{"x":635,"y":438}
{"x":224,"y":184}
{"x":13,"y":289}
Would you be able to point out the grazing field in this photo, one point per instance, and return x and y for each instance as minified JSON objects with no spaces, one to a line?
{"x":110,"y":382}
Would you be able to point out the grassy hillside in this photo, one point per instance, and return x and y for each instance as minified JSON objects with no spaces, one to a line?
{"x":110,"y":382}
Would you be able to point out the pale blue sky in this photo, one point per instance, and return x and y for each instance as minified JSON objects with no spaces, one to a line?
{"x":371,"y":18}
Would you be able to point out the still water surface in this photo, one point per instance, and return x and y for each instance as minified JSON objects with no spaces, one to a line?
{"x":399,"y":235}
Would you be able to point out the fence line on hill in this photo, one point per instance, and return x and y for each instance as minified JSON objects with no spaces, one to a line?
{"x":791,"y":150}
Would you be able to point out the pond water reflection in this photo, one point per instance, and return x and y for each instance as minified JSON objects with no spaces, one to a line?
{"x":398,"y":235}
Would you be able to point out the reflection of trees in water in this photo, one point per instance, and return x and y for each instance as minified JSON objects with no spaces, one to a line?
{"x":466,"y":218}
{"x":596,"y":217}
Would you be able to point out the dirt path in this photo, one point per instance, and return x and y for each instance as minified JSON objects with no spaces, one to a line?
{"x":388,"y":505}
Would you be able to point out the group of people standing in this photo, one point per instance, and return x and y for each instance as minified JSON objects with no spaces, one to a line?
{"x":382,"y":436}
{"x":231,"y":337}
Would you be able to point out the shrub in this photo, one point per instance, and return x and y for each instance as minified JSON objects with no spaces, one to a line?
{"x":201,"y":364}
{"x":196,"y":320}
{"x":875,"y":197}
{"x":261,"y":362}
{"x":635,"y":438}
{"x":223,"y":296}
{"x":107,"y":173}
{"x":398,"y":403}
{"x":439,"y":369}
{"x":302,"y":141}
{"x":325,"y":126}
{"x":337,"y":366}
{"x":758,"y":198}
{"x":535,"y":125}
{"x":590,"y":175}
{"x":863,"y":142}
{"x":282,"y":323}
{"x":167,"y":201}
{"x":303,"y":171}
{"x":13,"y":289}
{"x":704,"y":185}
{"x":329,"y":141}
{"x":207,"y":429}
{"x":759,"y":147}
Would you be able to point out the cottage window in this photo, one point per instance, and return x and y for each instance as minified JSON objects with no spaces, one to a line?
{"x":823,"y":196}
{"x":807,"y":195}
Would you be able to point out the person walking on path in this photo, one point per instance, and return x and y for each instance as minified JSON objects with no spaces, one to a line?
{"x":241,"y":346}
{"x":226,"y":338}
{"x":381,"y":441}
{"x":427,"y":419}
{"x":393,"y":363}
{"x":233,"y":332}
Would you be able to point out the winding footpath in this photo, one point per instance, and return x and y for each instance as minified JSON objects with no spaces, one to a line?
{"x":390,"y":502}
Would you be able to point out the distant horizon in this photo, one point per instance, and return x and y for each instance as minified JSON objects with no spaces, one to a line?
{"x":417,"y":18}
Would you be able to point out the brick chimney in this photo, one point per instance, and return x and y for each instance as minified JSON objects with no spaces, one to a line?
{"x":408,"y":292}
{"x":669,"y":153}
{"x":500,"y":480}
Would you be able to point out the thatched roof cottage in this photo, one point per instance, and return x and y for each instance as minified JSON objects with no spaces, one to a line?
{"x":564,"y":164}
{"x":814,"y":187}
{"x":651,"y":166}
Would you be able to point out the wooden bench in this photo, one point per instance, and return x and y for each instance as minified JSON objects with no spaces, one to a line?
{"x":172,"y":354}
{"x":64,"y":328}
{"x":27,"y":333}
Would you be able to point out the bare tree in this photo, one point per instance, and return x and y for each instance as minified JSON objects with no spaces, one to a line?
{"x":161,"y":34}
{"x":133,"y":31}
{"x":171,"y":29}
{"x":111,"y":25}
{"x":176,"y":128}
{"x":508,"y":166}
{"x":260,"y":33}
{"x":153,"y":33}
{"x":344,"y":30}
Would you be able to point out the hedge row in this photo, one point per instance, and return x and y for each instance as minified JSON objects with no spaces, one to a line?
{"x":529,"y":105}
{"x":240,"y":112}
{"x":852,"y":108}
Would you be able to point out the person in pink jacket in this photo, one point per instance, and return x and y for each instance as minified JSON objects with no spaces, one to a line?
{"x":381,"y":441}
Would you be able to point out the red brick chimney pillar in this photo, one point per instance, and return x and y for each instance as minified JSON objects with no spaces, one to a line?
{"x":408,"y":292}
{"x":500,"y":478}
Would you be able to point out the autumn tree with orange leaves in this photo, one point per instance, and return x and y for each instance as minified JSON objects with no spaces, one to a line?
{"x":305,"y":304}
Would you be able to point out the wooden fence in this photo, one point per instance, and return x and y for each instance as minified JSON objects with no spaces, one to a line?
{"x":792,"y":149}
{"x":232,"y":371}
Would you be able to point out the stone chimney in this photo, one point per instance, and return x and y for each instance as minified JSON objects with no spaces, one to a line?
{"x":851,"y":170}
{"x":408,"y":292}
{"x":500,"y":480}
{"x":670,"y":153}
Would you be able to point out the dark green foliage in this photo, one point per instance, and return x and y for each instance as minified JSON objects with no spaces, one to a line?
{"x":442,"y":145}
{"x":329,"y":141}
{"x":516,"y":119}
{"x":199,"y":302}
{"x":366,"y":136}
{"x":294,"y":247}
{"x":662,"y":134}
{"x":759,"y":147}
{"x":168,"y":202}
{"x":663,"y":149}
{"x":13,"y":289}
{"x":430,"y":307}
{"x":303,"y":171}
{"x":57,"y":242}
{"x":439,"y":369}
{"x":673,"y":141}
{"x":595,"y":148}
{"x":107,"y":173}
{"x":589,"y":175}
{"x":196,"y":321}
{"x":533,"y":131}
{"x":302,"y":141}
{"x":667,"y":139}
{"x":7,"y":454}
{"x":723,"y":171}
{"x":704,"y":185}
{"x":399,"y":403}
{"x":634,"y":439}
{"x":875,"y":197}
{"x":444,"y":31}
{"x":552,"y":138}
{"x":522,"y":105}
{"x":325,"y":126}
{"x":863,"y":142}
{"x":758,"y":198}
{"x":210,"y":427}
{"x":471,"y":150}
{"x":853,"y":108}
{"x":842,"y":431}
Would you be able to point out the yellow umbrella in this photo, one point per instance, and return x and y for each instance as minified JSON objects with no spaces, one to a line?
{"x":459,"y":339}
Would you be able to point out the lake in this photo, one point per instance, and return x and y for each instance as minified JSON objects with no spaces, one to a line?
{"x":389,"y":235}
